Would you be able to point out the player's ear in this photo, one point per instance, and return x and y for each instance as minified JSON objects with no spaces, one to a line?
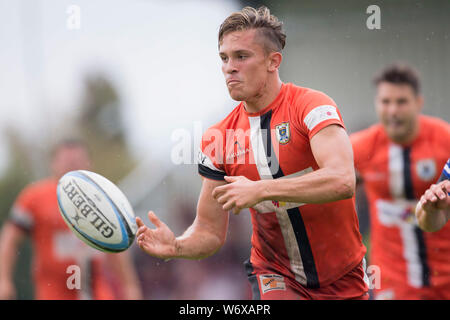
{"x":274,"y":60}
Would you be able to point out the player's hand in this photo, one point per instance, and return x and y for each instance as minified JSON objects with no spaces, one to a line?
{"x":436,"y":197}
{"x":7,"y":290}
{"x":238,"y":194}
{"x":159,"y":242}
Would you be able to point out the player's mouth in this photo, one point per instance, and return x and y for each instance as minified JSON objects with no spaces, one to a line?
{"x":395,"y":123}
{"x":231,"y":82}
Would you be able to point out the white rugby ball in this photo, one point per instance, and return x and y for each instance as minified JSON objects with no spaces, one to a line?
{"x":96,"y":211}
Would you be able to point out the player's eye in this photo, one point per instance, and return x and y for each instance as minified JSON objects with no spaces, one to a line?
{"x":242,"y":57}
{"x":223,"y":58}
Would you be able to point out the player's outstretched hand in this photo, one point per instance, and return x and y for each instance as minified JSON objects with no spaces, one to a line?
{"x":159,"y":242}
{"x":436,"y":197}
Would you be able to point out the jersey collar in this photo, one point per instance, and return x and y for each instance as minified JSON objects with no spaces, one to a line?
{"x":275,"y":103}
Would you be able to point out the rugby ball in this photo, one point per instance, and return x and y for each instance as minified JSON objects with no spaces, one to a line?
{"x":96,"y":211}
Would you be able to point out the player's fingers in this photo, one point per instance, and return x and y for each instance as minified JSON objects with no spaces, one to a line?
{"x":439,"y":192}
{"x":446,"y":186}
{"x":228,"y":205}
{"x":230,"y":179}
{"x":144,"y":247}
{"x":218,"y":191}
{"x":222,"y":199}
{"x":140,"y":244}
{"x":139,"y":222}
{"x":154,"y":219}
{"x":141,"y":237}
{"x":430,"y":196}
{"x":236,"y":210}
{"x":422,"y":200}
{"x":140,"y":231}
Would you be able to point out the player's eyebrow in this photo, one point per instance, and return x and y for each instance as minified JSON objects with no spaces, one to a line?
{"x":236,"y":52}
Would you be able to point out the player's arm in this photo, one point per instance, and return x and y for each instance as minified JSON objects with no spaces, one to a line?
{"x":203,"y":238}
{"x":123,"y":268}
{"x":433,"y":209}
{"x":11,"y":237}
{"x":334,"y":180}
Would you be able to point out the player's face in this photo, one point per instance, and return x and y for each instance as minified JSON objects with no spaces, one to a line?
{"x":244,"y":64}
{"x":398,"y":108}
{"x":69,"y":158}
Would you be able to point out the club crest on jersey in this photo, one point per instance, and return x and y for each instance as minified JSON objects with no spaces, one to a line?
{"x":283,"y":132}
{"x":426,"y":169}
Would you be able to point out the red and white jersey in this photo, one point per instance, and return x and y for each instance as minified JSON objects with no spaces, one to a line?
{"x":315,"y":244}
{"x":56,"y":249}
{"x":395,"y":176}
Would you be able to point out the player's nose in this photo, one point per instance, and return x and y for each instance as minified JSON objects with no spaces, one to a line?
{"x":229,"y":67}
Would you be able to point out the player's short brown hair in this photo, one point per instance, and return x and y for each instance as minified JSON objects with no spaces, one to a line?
{"x":270,"y":28}
{"x":399,"y":74}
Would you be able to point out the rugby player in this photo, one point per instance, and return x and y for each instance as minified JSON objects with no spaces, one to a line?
{"x":397,"y":160}
{"x":35,"y":213}
{"x":284,"y":153}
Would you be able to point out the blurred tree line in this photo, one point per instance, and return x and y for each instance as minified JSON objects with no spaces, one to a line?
{"x":98,"y":123}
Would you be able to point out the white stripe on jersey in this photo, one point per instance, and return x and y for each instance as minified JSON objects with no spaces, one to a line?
{"x":396,"y":183}
{"x":259,"y":153}
{"x":411,"y":255}
{"x":387,"y":217}
{"x":290,"y":241}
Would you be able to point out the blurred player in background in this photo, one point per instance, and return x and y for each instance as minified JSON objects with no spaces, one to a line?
{"x":433,"y":209}
{"x":284,"y":153}
{"x":55,"y":247}
{"x":398,"y":159}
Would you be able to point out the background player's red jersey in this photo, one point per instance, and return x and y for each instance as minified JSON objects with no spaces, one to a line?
{"x":55,"y":248}
{"x":313,"y":244}
{"x":395,"y":176}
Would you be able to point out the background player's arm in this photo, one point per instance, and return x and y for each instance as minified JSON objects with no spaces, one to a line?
{"x":334,"y":180}
{"x":433,"y":209}
{"x":10,"y":240}
{"x":123,"y":268}
{"x":203,"y":238}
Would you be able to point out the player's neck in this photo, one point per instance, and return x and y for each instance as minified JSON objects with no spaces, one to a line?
{"x":265,"y":98}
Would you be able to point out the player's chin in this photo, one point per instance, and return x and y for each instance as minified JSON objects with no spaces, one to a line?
{"x":236,"y":95}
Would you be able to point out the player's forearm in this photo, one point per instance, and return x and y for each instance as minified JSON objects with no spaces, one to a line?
{"x":7,"y":262}
{"x":430,"y":221}
{"x":125,"y":272}
{"x":321,"y":186}
{"x":198,"y":242}
{"x":8,"y":253}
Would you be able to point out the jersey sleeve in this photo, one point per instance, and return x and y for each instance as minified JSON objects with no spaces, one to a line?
{"x":317,"y":111}
{"x":210,"y":155}
{"x":21,"y":213}
{"x":445,"y":172}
